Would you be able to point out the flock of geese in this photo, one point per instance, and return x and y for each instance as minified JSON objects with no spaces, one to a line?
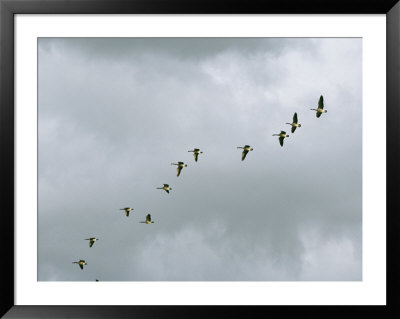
{"x":282,"y":135}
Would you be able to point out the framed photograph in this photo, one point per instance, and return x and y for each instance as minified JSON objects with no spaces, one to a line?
{"x":175,"y":160}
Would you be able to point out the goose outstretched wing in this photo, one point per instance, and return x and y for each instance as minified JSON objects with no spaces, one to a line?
{"x":295,"y":118}
{"x":281,"y":140}
{"x":321,"y":103}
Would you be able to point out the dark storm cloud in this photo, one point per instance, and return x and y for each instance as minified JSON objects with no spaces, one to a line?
{"x":113,"y":115}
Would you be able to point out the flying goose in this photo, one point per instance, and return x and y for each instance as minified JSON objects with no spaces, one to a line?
{"x":91,"y":240}
{"x":281,"y":135}
{"x":196,"y":153}
{"x":165,"y":187}
{"x":180,"y":166}
{"x":127,"y":210}
{"x":80,"y":263}
{"x":148,"y":220}
{"x":320,"y":108}
{"x":246,"y":149}
{"x":294,"y":124}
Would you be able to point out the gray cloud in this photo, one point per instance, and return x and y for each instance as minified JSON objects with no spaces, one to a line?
{"x":113,"y":115}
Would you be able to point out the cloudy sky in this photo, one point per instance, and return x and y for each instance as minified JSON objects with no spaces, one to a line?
{"x":114,"y":113}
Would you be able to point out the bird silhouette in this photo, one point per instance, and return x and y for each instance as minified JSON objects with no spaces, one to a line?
{"x":179,"y":168}
{"x":246,"y":149}
{"x":148,"y":220}
{"x":320,"y":108}
{"x":281,"y":135}
{"x":166,"y":188}
{"x":127,"y":210}
{"x":294,"y":124}
{"x":196,"y":153}
{"x":91,"y":240}
{"x":80,"y":263}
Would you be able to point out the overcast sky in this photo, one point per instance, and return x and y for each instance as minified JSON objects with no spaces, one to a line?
{"x":115,"y":113}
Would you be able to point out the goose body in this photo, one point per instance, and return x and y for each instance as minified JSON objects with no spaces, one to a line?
{"x":80,"y":263}
{"x":148,"y":220}
{"x":295,"y":123}
{"x":179,"y":168}
{"x":281,"y":135}
{"x":196,"y":153}
{"x":246,"y":149}
{"x":165,"y":187}
{"x":320,"y":108}
{"x":91,"y":240}
{"x":127,"y":210}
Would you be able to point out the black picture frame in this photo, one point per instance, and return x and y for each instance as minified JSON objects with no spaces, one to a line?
{"x":8,"y":8}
